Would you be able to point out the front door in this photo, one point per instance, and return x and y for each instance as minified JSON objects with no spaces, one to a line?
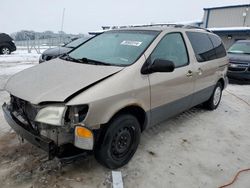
{"x":171,"y":93}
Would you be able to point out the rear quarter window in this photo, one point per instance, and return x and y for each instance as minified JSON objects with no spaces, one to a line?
{"x":5,"y":38}
{"x":206,"y":47}
{"x":218,"y":46}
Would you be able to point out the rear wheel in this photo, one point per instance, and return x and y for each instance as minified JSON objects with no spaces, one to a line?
{"x":120,"y":141}
{"x":5,"y":50}
{"x":215,"y":99}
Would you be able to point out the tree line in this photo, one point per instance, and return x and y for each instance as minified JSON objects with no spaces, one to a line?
{"x":33,"y":35}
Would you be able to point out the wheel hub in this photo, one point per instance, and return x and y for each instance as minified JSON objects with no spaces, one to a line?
{"x":121,"y":143}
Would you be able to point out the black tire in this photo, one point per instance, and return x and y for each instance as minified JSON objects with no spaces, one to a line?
{"x":5,"y":50}
{"x":120,"y":141}
{"x":212,"y":103}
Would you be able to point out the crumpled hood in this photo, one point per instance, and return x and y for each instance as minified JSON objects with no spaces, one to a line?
{"x":56,"y":80}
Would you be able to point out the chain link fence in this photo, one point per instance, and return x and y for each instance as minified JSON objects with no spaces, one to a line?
{"x":41,"y":44}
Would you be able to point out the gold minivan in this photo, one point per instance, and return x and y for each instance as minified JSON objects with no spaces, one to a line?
{"x":100,"y":96}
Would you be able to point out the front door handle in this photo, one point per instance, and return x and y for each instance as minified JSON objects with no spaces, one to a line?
{"x":189,"y":73}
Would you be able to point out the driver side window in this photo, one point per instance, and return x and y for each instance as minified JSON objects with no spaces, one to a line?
{"x":172,"y":48}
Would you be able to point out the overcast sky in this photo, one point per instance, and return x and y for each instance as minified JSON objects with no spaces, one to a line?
{"x":83,"y":16}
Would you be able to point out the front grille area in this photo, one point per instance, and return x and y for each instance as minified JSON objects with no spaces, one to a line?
{"x":239,"y":67}
{"x":25,"y":112}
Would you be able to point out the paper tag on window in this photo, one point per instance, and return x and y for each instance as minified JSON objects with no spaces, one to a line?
{"x":131,"y":43}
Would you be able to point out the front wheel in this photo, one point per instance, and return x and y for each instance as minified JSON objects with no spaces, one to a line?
{"x":120,"y":141}
{"x":215,"y":99}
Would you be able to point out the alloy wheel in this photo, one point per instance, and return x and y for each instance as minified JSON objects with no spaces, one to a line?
{"x":5,"y":50}
{"x":217,"y":96}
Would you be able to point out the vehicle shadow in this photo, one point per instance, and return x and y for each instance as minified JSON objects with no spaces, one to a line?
{"x":174,"y":124}
{"x":239,"y":82}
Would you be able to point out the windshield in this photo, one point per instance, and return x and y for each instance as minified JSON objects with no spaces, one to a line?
{"x":118,"y":48}
{"x":240,"y":48}
{"x":76,"y":42}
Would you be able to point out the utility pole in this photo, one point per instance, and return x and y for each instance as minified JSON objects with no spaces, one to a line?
{"x":61,"y":33}
{"x":62,"y":19}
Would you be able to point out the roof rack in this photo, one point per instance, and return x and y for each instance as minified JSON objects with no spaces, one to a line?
{"x":196,"y":27}
{"x":174,"y":25}
{"x":159,"y":24}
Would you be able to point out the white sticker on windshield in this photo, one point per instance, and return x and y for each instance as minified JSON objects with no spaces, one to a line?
{"x":131,"y":43}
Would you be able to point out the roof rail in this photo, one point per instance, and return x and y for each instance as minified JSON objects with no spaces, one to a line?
{"x":160,"y":24}
{"x":196,"y":27}
{"x":174,"y":25}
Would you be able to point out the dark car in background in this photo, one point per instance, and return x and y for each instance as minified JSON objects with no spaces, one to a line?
{"x":53,"y":53}
{"x":7,"y":44}
{"x":239,"y":60}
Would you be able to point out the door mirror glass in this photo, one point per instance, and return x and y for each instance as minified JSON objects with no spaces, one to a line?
{"x":162,"y":65}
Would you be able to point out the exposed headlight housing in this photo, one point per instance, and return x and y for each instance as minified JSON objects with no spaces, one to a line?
{"x":53,"y":115}
{"x":76,"y":114}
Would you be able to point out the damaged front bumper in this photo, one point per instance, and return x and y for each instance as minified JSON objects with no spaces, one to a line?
{"x":38,"y":140}
{"x":66,"y":152}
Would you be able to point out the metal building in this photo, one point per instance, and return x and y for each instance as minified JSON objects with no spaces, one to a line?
{"x":231,"y":23}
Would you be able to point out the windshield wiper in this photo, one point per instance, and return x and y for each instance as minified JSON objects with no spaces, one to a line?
{"x":92,"y":61}
{"x":67,"y":57}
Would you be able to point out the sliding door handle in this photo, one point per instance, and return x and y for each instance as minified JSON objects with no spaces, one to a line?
{"x":200,"y":71}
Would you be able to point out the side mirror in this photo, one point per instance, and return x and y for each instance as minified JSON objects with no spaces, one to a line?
{"x":159,"y":65}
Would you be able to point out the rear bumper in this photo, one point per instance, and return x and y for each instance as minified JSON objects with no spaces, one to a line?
{"x":40,"y":141}
{"x":12,"y":47}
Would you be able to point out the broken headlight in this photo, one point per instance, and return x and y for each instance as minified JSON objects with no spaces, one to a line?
{"x":62,"y":115}
{"x":76,"y":114}
{"x":53,"y":115}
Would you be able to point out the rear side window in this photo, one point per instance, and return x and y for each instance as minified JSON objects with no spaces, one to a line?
{"x":202,"y":45}
{"x":206,"y":47}
{"x":5,"y":38}
{"x":218,"y":46}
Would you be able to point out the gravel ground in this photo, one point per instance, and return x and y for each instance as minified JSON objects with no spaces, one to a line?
{"x":198,"y":148}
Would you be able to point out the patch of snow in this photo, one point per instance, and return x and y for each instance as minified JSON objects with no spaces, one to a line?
{"x":17,"y":61}
{"x":20,"y":56}
{"x":10,"y":70}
